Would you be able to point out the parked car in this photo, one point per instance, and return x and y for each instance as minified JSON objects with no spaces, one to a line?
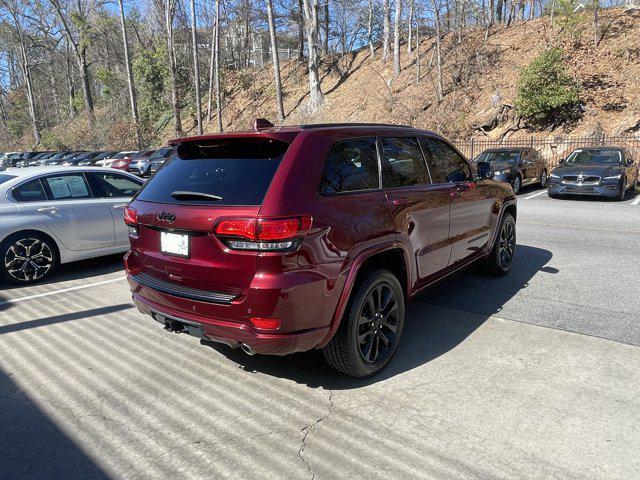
{"x":35,"y":161}
{"x":8,"y":159}
{"x":99,"y":157}
{"x":109,"y":161}
{"x":517,"y":166}
{"x":25,"y":158}
{"x":77,"y":159}
{"x":157,"y":163}
{"x":601,"y":171}
{"x":54,"y":215}
{"x":139,"y":161}
{"x":55,"y":159}
{"x":293,"y":238}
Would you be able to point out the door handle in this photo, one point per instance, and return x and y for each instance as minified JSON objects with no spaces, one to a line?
{"x":120,"y":206}
{"x":48,"y":210}
{"x":459,"y":189}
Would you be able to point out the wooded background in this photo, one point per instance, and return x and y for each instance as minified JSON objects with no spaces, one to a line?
{"x":150,"y":63}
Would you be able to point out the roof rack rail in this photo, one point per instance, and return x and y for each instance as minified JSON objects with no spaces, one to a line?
{"x":330,"y":125}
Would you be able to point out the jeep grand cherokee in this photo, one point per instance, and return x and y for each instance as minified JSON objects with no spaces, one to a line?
{"x":286,"y":239}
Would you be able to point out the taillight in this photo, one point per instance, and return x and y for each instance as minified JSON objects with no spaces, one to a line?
{"x":263,"y":234}
{"x":131,"y":219}
{"x":265,"y":323}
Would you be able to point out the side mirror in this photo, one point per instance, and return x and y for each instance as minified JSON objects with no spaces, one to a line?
{"x":484,"y":170}
{"x":562,"y":160}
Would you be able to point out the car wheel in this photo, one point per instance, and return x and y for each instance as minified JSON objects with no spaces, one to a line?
{"x":543,"y":179}
{"x":371,"y":327}
{"x":502,"y":254}
{"x":553,"y":195}
{"x":623,"y":190}
{"x":27,"y":257}
{"x":516,"y":184}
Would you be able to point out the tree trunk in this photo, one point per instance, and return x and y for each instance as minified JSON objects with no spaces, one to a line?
{"x":196,"y":65}
{"x":127,"y":62}
{"x":439,"y":87}
{"x":217,"y":69}
{"x":499,"y":4}
{"x":325,"y":47}
{"x":418,"y":59}
{"x":275,"y":60}
{"x":596,"y":23}
{"x":386,"y":29}
{"x":410,"y":37}
{"x":300,"y":32}
{"x":372,"y":48}
{"x":396,"y":39}
{"x":26,"y":69}
{"x":169,"y":11}
{"x":310,"y":8}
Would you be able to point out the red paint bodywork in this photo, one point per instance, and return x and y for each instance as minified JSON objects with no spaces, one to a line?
{"x":308,"y":289}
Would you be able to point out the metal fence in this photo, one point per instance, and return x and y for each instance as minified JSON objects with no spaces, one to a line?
{"x":552,"y":150}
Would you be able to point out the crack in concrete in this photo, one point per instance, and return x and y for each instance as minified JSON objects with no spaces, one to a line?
{"x":307,"y":431}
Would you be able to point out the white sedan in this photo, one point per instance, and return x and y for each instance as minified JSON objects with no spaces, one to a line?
{"x":54,"y":215}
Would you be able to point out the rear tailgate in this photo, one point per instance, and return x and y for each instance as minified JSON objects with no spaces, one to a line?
{"x":179,"y":207}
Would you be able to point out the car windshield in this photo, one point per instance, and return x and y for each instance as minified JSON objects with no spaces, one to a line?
{"x":595,"y":156}
{"x":6,"y":178}
{"x":499,"y":156}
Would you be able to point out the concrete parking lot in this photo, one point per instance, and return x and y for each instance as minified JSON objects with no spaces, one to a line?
{"x":534,"y":375}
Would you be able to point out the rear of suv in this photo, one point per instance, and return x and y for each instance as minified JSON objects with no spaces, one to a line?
{"x":288,"y":239}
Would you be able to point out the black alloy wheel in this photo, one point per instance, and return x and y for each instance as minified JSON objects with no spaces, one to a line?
{"x":623,"y":189}
{"x":543,"y":179}
{"x":370,"y":328}
{"x":500,"y":260}
{"x":516,"y":184}
{"x":27,"y":258}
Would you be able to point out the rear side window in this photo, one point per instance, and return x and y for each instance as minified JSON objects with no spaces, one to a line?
{"x":110,"y":185}
{"x":66,"y":187}
{"x":403,"y":163}
{"x":234,"y":171}
{"x":30,"y":192}
{"x":445,"y":164}
{"x":351,"y":166}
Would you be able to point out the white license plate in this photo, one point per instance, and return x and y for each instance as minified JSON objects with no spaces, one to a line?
{"x":174,"y":244}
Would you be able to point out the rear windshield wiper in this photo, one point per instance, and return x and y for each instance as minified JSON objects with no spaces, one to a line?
{"x":181,"y":195}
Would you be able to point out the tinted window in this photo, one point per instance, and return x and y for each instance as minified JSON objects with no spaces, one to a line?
{"x":6,"y":178}
{"x":445,"y":163}
{"x":66,"y":187}
{"x":238,"y":170}
{"x":108,"y":185}
{"x":29,"y":192}
{"x":403,"y":163}
{"x":352,"y":165}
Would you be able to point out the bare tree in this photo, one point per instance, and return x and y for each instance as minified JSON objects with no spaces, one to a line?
{"x":418,"y":59}
{"x":217,"y":68}
{"x":396,"y":39}
{"x":386,"y":29}
{"x":275,"y":60}
{"x":196,"y":66}
{"x":77,"y":38}
{"x":127,"y":62}
{"x":410,"y":37}
{"x":372,"y":48}
{"x":14,"y":9}
{"x":439,"y":87}
{"x":169,"y":12}
{"x":300,"y":31}
{"x":325,"y":45}
{"x":310,"y":9}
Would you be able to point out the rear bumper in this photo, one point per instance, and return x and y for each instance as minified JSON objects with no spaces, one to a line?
{"x":235,"y":333}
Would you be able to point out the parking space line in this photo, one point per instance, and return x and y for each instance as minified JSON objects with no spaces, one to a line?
{"x":62,"y":290}
{"x":636,"y":201}
{"x":535,"y":195}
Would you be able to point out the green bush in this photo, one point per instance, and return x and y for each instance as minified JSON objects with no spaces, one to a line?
{"x":546,"y":91}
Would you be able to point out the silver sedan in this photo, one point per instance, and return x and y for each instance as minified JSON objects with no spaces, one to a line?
{"x":54,"y":215}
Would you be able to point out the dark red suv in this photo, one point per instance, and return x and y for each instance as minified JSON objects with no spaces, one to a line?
{"x":286,"y":239}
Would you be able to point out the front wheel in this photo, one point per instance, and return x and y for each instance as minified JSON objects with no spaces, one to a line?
{"x":502,"y":254}
{"x":27,"y":257}
{"x":623,"y":190}
{"x":371,"y":327}
{"x":516,"y":184}
{"x":543,"y":179}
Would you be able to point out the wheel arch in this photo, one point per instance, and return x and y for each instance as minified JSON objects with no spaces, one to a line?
{"x":31,"y":231}
{"x":393,"y":257}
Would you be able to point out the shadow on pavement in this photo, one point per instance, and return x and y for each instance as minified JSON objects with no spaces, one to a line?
{"x":41,"y":322}
{"x":429,"y":330}
{"x":83,"y":269}
{"x":32,"y":446}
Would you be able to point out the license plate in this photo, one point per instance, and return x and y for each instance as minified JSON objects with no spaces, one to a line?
{"x":174,"y":244}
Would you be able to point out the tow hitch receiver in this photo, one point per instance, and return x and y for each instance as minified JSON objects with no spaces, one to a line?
{"x":179,"y":325}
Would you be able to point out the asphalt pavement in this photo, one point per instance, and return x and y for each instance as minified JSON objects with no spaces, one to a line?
{"x":534,"y":375}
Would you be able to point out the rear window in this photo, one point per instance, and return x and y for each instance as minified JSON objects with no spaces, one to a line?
{"x":237,"y":170}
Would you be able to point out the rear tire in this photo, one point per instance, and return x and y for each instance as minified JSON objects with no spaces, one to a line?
{"x":500,"y":260}
{"x":623,"y":190}
{"x":27,"y":257}
{"x":543,"y":179}
{"x":370,"y":328}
